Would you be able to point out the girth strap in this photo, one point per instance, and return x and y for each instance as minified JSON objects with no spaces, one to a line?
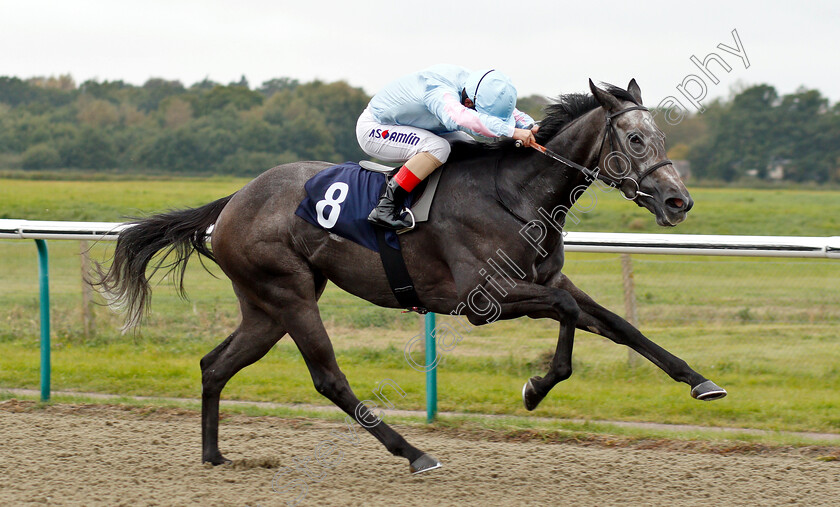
{"x":398,"y":278}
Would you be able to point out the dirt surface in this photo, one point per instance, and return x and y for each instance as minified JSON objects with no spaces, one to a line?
{"x":113,"y":455}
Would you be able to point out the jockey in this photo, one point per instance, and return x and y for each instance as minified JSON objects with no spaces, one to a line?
{"x":414,"y":119}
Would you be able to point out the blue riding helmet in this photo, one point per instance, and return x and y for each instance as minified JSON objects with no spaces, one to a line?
{"x":492,"y":93}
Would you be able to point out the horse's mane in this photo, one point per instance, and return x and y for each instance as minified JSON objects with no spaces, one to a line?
{"x":565,"y":109}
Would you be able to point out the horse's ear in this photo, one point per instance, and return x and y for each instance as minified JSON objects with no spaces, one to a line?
{"x":635,"y":91}
{"x":604,"y":98}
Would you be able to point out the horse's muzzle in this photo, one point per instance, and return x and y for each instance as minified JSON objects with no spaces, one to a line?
{"x":672,"y":210}
{"x":679,"y":204}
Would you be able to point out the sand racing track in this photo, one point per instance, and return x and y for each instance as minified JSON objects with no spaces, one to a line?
{"x":116,"y":455}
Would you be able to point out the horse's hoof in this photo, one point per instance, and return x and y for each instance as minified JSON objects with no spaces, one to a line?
{"x":218,"y":460}
{"x":530,"y":396}
{"x":423,"y":464}
{"x":708,"y":391}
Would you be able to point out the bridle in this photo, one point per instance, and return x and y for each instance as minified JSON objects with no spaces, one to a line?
{"x":609,"y":131}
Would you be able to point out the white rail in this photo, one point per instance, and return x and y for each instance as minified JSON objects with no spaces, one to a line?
{"x":701,"y":244}
{"x":603,"y":242}
{"x":674,"y":244}
{"x":38,"y":229}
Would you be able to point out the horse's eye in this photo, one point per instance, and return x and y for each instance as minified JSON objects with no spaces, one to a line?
{"x":635,"y":139}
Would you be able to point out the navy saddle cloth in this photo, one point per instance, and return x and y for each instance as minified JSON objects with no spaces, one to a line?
{"x":340,"y":198}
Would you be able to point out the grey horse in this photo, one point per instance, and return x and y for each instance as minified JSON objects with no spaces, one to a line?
{"x":491,"y":201}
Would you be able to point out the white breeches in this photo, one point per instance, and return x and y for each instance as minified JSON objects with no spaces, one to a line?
{"x":398,"y":143}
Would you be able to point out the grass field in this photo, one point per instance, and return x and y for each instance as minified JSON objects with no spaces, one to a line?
{"x":767,"y":330}
{"x":716,"y":211}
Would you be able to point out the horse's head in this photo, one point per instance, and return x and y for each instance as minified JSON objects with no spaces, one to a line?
{"x":632,"y":156}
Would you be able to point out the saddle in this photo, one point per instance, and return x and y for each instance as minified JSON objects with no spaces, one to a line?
{"x":339,"y":199}
{"x":423,"y":195}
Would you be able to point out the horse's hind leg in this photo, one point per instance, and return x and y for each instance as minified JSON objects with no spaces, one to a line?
{"x":251,"y":341}
{"x":597,"y":319}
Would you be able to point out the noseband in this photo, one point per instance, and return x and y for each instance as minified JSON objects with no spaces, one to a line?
{"x":609,"y":131}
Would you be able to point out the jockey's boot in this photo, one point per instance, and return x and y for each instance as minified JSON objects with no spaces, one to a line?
{"x":387,"y":212}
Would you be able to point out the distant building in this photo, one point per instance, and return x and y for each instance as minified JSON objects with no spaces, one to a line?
{"x":776,"y":172}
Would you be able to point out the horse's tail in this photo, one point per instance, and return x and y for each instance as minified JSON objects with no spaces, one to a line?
{"x":125,"y":285}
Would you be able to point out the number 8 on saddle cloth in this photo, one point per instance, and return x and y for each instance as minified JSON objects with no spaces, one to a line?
{"x":339,"y":200}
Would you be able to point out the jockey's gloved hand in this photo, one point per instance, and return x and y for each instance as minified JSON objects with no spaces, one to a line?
{"x":526,"y":136}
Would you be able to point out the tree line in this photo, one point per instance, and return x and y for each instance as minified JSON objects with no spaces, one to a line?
{"x":164,"y":126}
{"x":759,"y":134}
{"x":167,"y":127}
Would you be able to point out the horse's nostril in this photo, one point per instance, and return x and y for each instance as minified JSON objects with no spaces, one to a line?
{"x":675,"y":202}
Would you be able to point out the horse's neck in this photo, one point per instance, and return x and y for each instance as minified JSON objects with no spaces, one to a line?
{"x":581,"y":142}
{"x":551,"y":186}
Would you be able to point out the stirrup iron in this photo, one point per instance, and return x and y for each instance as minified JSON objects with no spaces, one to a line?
{"x":413,"y":221}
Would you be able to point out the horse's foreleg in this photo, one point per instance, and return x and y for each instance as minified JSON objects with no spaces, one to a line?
{"x":560,"y":369}
{"x":537,"y":301}
{"x":597,"y":319}
{"x":307,"y":330}
{"x":250,"y":342}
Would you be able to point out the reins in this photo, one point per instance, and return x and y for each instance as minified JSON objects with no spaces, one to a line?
{"x":609,"y":131}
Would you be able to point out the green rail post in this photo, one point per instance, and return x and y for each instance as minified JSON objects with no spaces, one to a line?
{"x":431,"y":369}
{"x":44,"y":278}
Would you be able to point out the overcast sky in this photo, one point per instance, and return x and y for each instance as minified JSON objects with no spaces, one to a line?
{"x":548,"y":47}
